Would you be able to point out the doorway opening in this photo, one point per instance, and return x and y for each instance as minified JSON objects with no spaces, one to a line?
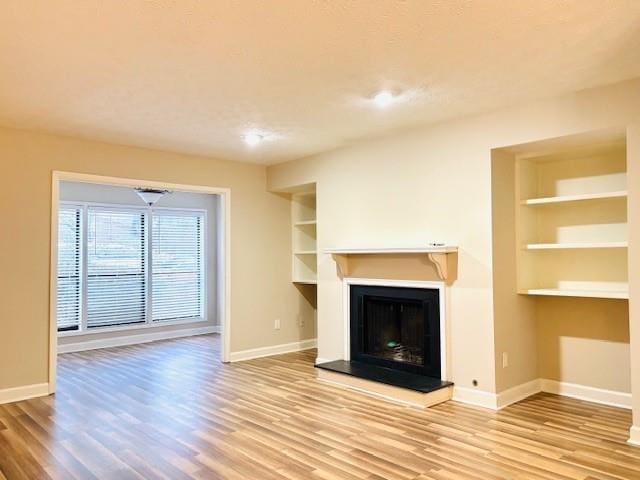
{"x":136,"y":261}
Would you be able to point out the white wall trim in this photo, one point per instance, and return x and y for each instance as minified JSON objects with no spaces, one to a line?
{"x":517,"y":393}
{"x":634,"y":436}
{"x":273,"y":350}
{"x":123,"y":340}
{"x":591,"y":394}
{"x":25,"y":392}
{"x":378,"y":282}
{"x":477,"y":398}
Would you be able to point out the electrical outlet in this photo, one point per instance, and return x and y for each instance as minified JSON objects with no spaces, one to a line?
{"x":505,"y":359}
{"x":300,"y":320}
{"x":276,"y":324}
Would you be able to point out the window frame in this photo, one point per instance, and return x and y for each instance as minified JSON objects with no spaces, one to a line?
{"x":149,"y":322}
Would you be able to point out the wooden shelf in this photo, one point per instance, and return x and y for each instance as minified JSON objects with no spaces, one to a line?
{"x":557,"y":292}
{"x":306,"y":282}
{"x":574,"y":198}
{"x":576,"y":245}
{"x":304,"y":222}
{"x":305,"y":252}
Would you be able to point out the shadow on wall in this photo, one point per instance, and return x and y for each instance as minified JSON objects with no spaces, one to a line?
{"x":309,"y":294}
{"x":579,"y":338}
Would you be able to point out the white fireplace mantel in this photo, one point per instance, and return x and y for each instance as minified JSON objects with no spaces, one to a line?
{"x":440,"y":255}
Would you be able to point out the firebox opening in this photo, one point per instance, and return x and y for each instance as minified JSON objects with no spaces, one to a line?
{"x":396,"y":327}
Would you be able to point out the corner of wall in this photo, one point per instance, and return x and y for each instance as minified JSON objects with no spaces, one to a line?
{"x":514,"y":317}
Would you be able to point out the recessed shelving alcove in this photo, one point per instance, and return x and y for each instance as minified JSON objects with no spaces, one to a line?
{"x":304,"y":236}
{"x":571,"y":219}
{"x":560,"y":264}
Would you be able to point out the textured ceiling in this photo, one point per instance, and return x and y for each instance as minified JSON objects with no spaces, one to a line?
{"x":193,"y":75}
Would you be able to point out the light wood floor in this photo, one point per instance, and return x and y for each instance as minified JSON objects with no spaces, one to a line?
{"x":170,"y":410}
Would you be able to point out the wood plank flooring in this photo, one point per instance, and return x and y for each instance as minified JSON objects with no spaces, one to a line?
{"x":171,"y":410}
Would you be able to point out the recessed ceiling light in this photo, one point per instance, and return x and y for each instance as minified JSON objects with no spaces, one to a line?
{"x":253,"y":138}
{"x":383,"y":99}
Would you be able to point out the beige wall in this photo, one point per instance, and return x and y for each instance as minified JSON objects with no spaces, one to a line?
{"x":435,"y":184}
{"x":584,"y":341}
{"x":260,"y":242}
{"x":515,"y":325}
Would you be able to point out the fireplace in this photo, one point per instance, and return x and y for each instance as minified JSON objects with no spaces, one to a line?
{"x":395,"y":335}
{"x":396,"y":327}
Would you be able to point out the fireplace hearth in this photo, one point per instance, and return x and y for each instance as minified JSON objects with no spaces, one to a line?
{"x":394,"y":339}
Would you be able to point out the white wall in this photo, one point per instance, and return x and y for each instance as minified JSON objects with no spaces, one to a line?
{"x":434,"y":183}
{"x":86,"y":192}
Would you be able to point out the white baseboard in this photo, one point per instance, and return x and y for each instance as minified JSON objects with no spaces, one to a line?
{"x":590,"y":394}
{"x":634,"y":436}
{"x":274,"y":350}
{"x":135,"y":339}
{"x":477,"y":398}
{"x":517,"y":393}
{"x":16,"y":394}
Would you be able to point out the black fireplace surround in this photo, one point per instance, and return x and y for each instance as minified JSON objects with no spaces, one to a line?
{"x":396,"y":327}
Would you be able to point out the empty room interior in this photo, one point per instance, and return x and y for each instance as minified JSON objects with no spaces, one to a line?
{"x":330,"y":240}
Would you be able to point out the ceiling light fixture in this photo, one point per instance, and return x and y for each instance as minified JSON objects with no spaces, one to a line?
{"x":151,"y":195}
{"x":253,"y":138}
{"x":383,"y":99}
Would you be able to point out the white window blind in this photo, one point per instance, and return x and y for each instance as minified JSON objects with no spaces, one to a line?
{"x":116,"y":274}
{"x":177,"y":265}
{"x":69,"y":268}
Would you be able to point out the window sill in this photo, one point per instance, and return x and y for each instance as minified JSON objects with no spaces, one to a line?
{"x":139,"y":326}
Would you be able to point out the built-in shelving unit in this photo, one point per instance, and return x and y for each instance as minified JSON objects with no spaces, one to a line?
{"x":304,"y":240}
{"x":571,"y":205}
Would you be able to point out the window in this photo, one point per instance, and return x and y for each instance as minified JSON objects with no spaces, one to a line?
{"x":125,"y":266}
{"x":69,"y":288}
{"x":177,"y":266}
{"x":116,"y":275}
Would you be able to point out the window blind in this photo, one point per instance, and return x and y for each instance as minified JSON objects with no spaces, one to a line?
{"x":116,"y":275}
{"x":177,"y":265}
{"x":69,"y":268}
